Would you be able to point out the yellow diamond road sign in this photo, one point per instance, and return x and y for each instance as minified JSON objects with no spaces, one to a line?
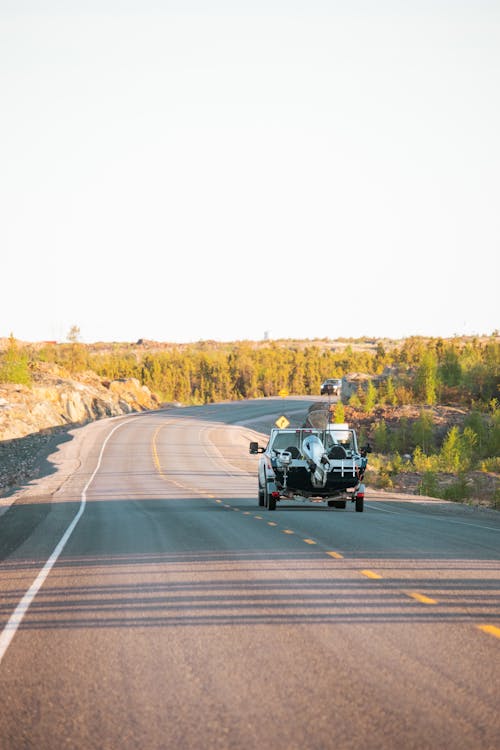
{"x":282,"y":422}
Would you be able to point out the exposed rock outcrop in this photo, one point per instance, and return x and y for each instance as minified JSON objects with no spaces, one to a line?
{"x":58,"y":399}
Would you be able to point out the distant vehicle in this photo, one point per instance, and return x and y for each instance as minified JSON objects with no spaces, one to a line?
{"x":331,"y":387}
{"x":312,"y":463}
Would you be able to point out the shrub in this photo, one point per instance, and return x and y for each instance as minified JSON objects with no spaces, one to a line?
{"x":459,"y":490}
{"x":429,"y":485}
{"x":15,"y":367}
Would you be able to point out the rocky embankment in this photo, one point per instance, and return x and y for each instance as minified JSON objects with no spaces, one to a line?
{"x":33,"y":418}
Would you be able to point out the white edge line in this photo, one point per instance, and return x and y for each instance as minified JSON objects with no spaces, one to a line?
{"x":17,"y":616}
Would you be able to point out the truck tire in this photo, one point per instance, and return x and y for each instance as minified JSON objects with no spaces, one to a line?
{"x":261,"y":496}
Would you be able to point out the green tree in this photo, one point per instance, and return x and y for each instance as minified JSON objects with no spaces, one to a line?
{"x":450,"y":454}
{"x":426,"y":380}
{"x":429,"y":484}
{"x":370,"y":398}
{"x":390,"y":392}
{"x":339,"y":413}
{"x":450,"y":369}
{"x":468,"y":448}
{"x":380,"y":437}
{"x":423,"y":431}
{"x":15,"y":365}
{"x":400,"y":439}
{"x":77,"y":353}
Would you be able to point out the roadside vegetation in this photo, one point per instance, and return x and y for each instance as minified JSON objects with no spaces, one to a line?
{"x":429,"y":407}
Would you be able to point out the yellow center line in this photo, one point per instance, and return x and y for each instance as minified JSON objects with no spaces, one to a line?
{"x":370,"y":574}
{"x":421,"y":597}
{"x":336,"y":555}
{"x":490,"y":629}
{"x":259,"y":517}
{"x":246,"y":512}
{"x":235,"y":508}
{"x":288,"y":531}
{"x":160,"y":471}
{"x":218,"y":501}
{"x":155,"y":452}
{"x":272,"y":523}
{"x":309,"y":541}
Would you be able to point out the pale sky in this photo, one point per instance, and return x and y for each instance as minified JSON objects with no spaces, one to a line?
{"x":182,"y":170}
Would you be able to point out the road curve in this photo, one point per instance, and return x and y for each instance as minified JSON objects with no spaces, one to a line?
{"x":147,"y":601}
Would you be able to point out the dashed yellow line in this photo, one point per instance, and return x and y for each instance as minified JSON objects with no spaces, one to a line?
{"x":490,"y":629}
{"x":421,"y":597}
{"x":370,"y":574}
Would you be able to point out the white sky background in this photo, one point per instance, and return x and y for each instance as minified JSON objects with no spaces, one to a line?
{"x":182,"y":170}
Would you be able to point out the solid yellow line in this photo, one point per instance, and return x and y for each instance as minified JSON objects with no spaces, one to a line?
{"x":336,"y":555}
{"x":155,"y":452}
{"x":490,"y":629}
{"x":288,"y":531}
{"x":421,"y":598}
{"x":309,"y":541}
{"x":370,"y":574}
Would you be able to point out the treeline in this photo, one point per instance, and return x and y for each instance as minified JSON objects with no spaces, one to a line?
{"x":417,"y":370}
{"x":426,"y":372}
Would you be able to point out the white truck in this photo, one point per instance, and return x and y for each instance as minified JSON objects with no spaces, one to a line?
{"x":322,"y":464}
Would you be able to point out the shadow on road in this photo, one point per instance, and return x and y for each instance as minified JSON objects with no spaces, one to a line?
{"x":210,"y":589}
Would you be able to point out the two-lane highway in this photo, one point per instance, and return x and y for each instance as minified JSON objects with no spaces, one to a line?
{"x":173,"y":612}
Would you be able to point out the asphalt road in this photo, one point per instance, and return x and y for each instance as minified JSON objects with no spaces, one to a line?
{"x":173,"y":612}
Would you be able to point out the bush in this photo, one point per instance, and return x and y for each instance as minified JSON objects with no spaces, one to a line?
{"x":491,"y":464}
{"x":429,"y":485}
{"x":15,"y":367}
{"x":459,"y":490}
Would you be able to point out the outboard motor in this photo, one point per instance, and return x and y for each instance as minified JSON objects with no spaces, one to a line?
{"x":314,"y":450}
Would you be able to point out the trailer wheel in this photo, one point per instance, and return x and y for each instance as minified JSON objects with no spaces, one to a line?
{"x":360,"y":504}
{"x":269,"y":500}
